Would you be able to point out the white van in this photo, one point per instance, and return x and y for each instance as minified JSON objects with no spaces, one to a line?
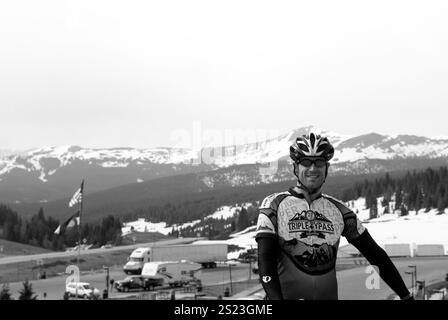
{"x":85,"y":290}
{"x":173,"y":273}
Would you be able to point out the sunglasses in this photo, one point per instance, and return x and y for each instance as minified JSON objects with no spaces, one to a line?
{"x":319,"y":163}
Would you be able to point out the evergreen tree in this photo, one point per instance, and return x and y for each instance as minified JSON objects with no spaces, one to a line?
{"x":4,"y":293}
{"x":252,"y":213}
{"x":419,"y":200}
{"x":385,"y":203}
{"x":243,"y":220}
{"x":373,"y":210}
{"x":403,"y":210}
{"x":441,"y":206}
{"x":27,"y":292}
{"x":398,"y":198}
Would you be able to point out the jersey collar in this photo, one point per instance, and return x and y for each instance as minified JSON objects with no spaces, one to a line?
{"x":296,"y":192}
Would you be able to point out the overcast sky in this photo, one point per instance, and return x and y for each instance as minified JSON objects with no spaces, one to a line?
{"x":130,"y":73}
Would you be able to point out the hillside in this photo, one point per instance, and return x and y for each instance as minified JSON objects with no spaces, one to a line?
{"x":399,"y":191}
{"x":185,"y":191}
{"x":10,"y":248}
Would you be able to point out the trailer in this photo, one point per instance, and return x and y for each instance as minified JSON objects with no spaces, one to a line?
{"x":172,"y":273}
{"x":426,"y":250}
{"x":398,"y":250}
{"x":205,"y":254}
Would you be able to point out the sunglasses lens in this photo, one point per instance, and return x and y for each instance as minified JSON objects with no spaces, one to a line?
{"x":319,"y":163}
{"x":308,"y":162}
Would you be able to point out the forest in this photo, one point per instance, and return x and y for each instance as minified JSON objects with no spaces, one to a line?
{"x":427,"y":189}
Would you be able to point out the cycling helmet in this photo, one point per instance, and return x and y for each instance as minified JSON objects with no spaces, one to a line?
{"x":312,"y":145}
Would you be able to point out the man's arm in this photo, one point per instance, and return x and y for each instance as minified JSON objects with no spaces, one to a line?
{"x":378,"y":257}
{"x":268,"y":249}
{"x":267,"y":266}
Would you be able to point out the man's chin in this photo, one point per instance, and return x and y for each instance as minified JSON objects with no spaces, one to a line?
{"x":314,"y":185}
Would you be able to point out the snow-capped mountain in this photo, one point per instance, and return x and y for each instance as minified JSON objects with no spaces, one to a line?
{"x":51,"y":173}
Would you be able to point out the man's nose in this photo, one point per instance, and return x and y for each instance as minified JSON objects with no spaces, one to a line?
{"x":313,"y":166}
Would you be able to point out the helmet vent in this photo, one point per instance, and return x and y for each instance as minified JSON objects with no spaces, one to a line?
{"x":312,"y":139}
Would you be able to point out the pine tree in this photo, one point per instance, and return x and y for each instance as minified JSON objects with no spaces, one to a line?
{"x":374,"y":210}
{"x":441,"y":206}
{"x":404,"y":210}
{"x":4,"y":293}
{"x":398,"y":198}
{"x":27,"y":292}
{"x":243,"y":220}
{"x":385,"y":203}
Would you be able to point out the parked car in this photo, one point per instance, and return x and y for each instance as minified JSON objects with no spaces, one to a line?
{"x":85,"y":290}
{"x":137,"y":283}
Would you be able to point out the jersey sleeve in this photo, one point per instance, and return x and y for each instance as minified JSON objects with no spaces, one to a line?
{"x":267,"y":216}
{"x":353,"y":227}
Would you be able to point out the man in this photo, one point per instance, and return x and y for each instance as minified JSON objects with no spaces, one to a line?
{"x":298,"y":233}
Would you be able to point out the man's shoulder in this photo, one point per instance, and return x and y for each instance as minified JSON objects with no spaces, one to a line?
{"x":273,"y":200}
{"x":338,"y":203}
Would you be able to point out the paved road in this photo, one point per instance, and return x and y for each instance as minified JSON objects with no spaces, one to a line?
{"x":55,"y":287}
{"x":352,"y":282}
{"x":35,"y":257}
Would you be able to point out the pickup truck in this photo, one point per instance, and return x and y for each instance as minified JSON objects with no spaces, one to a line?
{"x":139,"y":283}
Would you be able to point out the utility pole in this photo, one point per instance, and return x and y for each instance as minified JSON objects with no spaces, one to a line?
{"x":107,"y":277}
{"x":412,"y":282}
{"x":230,"y":264}
{"x":415,"y":272}
{"x":106,"y":294}
{"x":250,"y":268}
{"x":230,"y":272}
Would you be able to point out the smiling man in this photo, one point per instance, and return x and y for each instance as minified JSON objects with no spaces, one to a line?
{"x":298,"y":232}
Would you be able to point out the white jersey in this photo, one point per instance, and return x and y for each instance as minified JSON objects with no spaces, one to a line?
{"x":308,"y":236}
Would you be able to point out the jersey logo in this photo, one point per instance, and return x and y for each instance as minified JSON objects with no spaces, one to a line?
{"x":310,"y":223}
{"x":266,"y":279}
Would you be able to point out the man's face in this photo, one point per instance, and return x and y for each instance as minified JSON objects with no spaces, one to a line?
{"x":311,"y":172}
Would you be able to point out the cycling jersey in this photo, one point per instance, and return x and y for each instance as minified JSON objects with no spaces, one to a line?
{"x":308,"y":237}
{"x":298,"y":244}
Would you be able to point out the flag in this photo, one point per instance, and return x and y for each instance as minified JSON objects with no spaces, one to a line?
{"x":77,"y":197}
{"x":74,"y":220}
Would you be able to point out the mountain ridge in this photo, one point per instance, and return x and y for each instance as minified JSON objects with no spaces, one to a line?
{"x":50,"y":173}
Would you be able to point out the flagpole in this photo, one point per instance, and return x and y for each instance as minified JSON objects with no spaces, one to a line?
{"x":79,"y":234}
{"x":79,"y":225}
